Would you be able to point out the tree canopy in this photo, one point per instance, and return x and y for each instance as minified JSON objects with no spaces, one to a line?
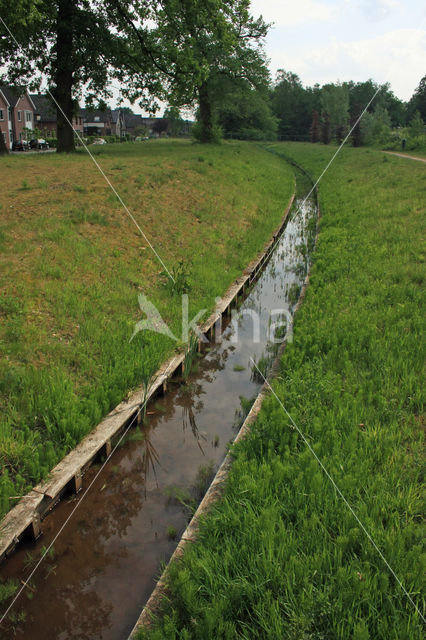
{"x":203,"y":54}
{"x":175,"y":50}
{"x":205,"y":42}
{"x":75,"y":45}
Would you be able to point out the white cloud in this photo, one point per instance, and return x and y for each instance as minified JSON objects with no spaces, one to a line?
{"x":285,"y":13}
{"x":379,"y":9}
{"x":396,"y":57}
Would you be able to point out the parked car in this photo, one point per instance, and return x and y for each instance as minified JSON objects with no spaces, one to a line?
{"x":99,"y":141}
{"x":19,"y":145}
{"x":39,"y":143}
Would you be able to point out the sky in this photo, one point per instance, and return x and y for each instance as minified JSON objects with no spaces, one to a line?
{"x":329,"y":40}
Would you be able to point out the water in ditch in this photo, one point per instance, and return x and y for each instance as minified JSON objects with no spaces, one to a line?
{"x":105,"y":563}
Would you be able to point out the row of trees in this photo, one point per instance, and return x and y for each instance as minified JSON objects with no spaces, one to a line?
{"x":288,"y":110}
{"x":203,"y":54}
{"x":327,"y":113}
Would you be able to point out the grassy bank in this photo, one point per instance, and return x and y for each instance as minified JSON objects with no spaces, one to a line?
{"x":281,"y":556}
{"x":72,"y":265}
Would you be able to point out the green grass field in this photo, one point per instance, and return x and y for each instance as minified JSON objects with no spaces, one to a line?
{"x":72,"y":265}
{"x":281,"y":555}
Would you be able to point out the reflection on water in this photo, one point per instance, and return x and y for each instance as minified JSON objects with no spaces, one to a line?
{"x":108,"y":557}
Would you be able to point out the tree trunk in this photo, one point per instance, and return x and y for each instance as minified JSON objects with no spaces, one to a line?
{"x":315,"y":127}
{"x":356,"y":133}
{"x":3,"y":149}
{"x":325,"y":129}
{"x":64,"y":76}
{"x":206,"y":117}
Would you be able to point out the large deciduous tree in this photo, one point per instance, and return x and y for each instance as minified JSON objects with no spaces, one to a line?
{"x":243,"y":111}
{"x":74,"y":44}
{"x":204,"y":41}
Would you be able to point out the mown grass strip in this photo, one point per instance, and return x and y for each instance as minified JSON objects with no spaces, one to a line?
{"x":281,"y":556}
{"x":72,"y":265}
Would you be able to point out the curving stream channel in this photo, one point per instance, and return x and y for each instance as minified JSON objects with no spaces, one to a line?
{"x":105,"y":563}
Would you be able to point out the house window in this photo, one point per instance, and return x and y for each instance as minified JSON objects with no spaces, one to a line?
{"x":1,"y":115}
{"x":9,"y":113}
{"x":96,"y":118}
{"x":19,"y":116}
{"x":28,"y":117}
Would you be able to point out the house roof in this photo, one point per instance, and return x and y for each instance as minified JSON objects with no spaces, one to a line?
{"x":89,"y":115}
{"x":12,"y":95}
{"x":44,"y":107}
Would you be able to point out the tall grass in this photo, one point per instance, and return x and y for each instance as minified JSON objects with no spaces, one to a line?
{"x":281,"y":555}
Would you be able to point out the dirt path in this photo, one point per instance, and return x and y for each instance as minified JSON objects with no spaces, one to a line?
{"x":404,"y":155}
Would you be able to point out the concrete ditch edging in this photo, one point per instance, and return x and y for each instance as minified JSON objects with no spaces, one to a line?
{"x":25,"y":518}
{"x":217,"y":486}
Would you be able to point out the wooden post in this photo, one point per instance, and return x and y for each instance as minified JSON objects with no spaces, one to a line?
{"x":107,"y":448}
{"x":35,"y":526}
{"x":77,"y":482}
{"x":218,"y":327}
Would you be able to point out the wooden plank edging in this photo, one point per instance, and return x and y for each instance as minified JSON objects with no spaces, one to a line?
{"x":26,"y":516}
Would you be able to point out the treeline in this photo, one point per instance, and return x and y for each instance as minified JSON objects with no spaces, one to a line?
{"x":290,"y":111}
{"x":199,"y":54}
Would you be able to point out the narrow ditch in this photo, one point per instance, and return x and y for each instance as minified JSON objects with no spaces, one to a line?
{"x":104,"y":565}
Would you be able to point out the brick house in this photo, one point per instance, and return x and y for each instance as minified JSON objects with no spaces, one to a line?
{"x":5,"y":119}
{"x":97,"y":122}
{"x":46,"y":118}
{"x":16,"y":115}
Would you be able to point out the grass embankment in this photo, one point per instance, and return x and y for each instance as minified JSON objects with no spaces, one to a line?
{"x":281,"y":556}
{"x":72,"y":264}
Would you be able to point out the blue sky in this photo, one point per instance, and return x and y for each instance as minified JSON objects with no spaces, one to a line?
{"x":329,"y":40}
